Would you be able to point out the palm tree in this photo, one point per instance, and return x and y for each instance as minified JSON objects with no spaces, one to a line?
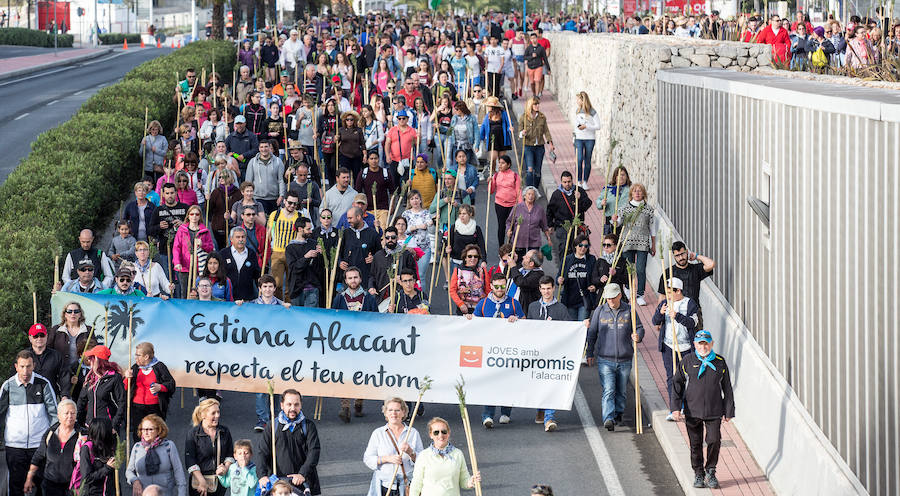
{"x":261,"y":15}
{"x":118,"y":322}
{"x":218,"y":20}
{"x":300,"y":7}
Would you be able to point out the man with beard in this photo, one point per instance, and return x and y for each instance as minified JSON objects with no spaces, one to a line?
{"x":305,"y":264}
{"x":360,"y":244}
{"x":355,"y":299}
{"x":383,"y":265}
{"x":296,"y":447}
{"x":409,"y":299}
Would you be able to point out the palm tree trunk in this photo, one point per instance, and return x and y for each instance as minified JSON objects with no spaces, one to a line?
{"x":261,"y":15}
{"x":218,"y":20}
{"x":299,"y":9}
{"x":272,"y":11}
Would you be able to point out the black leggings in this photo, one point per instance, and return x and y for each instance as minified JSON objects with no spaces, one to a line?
{"x":502,"y":216}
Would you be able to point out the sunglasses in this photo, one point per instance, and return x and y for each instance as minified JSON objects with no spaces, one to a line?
{"x":249,"y":213}
{"x":608,"y":245}
{"x":86,"y":269}
{"x":389,"y":238}
{"x":404,"y":281}
{"x":439,"y":432}
{"x":73,"y":311}
{"x":292,"y":202}
{"x":585,"y":245}
{"x":473,"y":256}
{"x":42,"y":335}
{"x":498,"y":286}
{"x":124,"y":279}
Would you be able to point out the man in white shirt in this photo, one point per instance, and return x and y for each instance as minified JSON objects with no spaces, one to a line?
{"x":293,"y":51}
{"x":496,"y":57}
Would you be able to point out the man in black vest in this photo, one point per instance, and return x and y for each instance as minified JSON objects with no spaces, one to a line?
{"x":241,"y":266}
{"x":86,"y":251}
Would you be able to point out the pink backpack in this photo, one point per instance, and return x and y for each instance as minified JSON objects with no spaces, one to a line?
{"x":75,"y":482}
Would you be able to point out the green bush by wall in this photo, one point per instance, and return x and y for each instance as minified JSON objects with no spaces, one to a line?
{"x":33,"y":37}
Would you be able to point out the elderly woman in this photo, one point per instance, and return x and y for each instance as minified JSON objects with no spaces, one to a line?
{"x":207,"y":448}
{"x":469,"y":282}
{"x":152,"y":386}
{"x":150,"y":274}
{"x":55,"y":456}
{"x":154,"y":460}
{"x":614,"y":195}
{"x":534,"y":222}
{"x":388,"y":447}
{"x":103,"y":393}
{"x":63,"y":337}
{"x":639,"y":236}
{"x":441,"y":469}
{"x":463,"y":233}
{"x":153,"y":149}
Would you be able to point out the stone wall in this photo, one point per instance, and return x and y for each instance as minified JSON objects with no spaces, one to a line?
{"x":618,"y":72}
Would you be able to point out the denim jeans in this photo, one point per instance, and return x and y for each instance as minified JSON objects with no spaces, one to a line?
{"x":670,"y":380}
{"x":639,"y":259}
{"x":548,"y":414}
{"x":534,"y":160}
{"x":578,"y":313}
{"x":308,"y":298}
{"x":424,"y":262}
{"x":489,"y":411}
{"x":614,"y":378}
{"x":584,"y":150}
{"x":262,"y":407}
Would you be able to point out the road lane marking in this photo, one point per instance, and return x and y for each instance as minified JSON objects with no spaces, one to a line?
{"x":595,"y":441}
{"x":51,"y":103}
{"x":22,"y":116}
{"x":79,"y":92}
{"x":41,"y":74}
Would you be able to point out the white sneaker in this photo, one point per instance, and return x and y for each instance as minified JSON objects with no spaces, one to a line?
{"x":670,"y":417}
{"x":488,"y":423}
{"x":504,"y":419}
{"x":585,"y":186}
{"x":641,"y":301}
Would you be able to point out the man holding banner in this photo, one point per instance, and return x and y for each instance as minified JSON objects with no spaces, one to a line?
{"x":296,"y":450}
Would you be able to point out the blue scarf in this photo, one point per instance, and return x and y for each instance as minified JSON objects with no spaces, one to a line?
{"x":290,"y":424}
{"x":150,"y":364}
{"x":705,"y":361}
{"x":443,"y":452}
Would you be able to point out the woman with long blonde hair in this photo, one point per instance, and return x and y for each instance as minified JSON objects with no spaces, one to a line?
{"x":534,"y":133}
{"x":587,"y":123}
{"x":208,"y":447}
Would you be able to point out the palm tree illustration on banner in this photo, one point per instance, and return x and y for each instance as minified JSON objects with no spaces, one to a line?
{"x":118,"y":322}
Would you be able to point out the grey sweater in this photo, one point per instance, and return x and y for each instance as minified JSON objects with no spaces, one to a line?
{"x":555,"y":311}
{"x":171,"y":472}
{"x":267,"y":177}
{"x":609,"y":334}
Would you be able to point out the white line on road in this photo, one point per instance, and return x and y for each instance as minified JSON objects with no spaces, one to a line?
{"x":51,"y":103}
{"x":41,"y":74}
{"x":22,"y":116}
{"x":601,"y":454}
{"x":79,"y":92}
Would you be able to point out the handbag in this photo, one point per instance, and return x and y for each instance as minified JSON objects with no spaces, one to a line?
{"x":402,"y":468}
{"x":818,"y":58}
{"x":212,"y":481}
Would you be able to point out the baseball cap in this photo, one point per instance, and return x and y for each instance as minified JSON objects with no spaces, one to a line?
{"x":676,"y":283}
{"x":402,"y":113}
{"x":124,"y":272}
{"x":361,"y":198}
{"x":611,"y":290}
{"x":703,"y":335}
{"x":240,"y":119}
{"x":37,"y":329}
{"x":86,"y":262}
{"x":285,"y":73}
{"x":99,"y":351}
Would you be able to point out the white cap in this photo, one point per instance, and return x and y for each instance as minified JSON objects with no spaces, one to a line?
{"x":611,"y":291}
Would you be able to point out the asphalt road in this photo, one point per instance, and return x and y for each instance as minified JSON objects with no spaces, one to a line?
{"x":36,"y":103}
{"x":10,"y":51}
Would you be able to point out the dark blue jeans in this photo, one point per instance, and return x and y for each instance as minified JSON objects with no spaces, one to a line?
{"x":489,"y":411}
{"x":534,"y":160}
{"x":614,"y":378}
{"x":584,"y":150}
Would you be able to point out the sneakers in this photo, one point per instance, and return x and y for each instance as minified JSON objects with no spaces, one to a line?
{"x":345,"y":415}
{"x":504,"y":419}
{"x":670,"y":417}
{"x":618,"y":419}
{"x":488,"y":423}
{"x":357,"y":410}
{"x":584,"y":361}
{"x":699,"y":480}
{"x":641,"y":301}
{"x":550,"y":426}
{"x":539,"y":417}
{"x":711,"y":481}
{"x":585,"y":186}
{"x":260,"y":426}
{"x":610,"y":425}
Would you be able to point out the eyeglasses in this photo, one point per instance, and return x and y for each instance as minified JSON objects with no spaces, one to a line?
{"x":86,"y":269}
{"x":292,"y":202}
{"x":608,"y":245}
{"x":204,"y":286}
{"x":147,"y":429}
{"x":404,"y":281}
{"x":73,"y":311}
{"x":440,"y":432}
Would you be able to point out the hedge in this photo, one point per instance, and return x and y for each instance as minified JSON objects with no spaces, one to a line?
{"x":75,"y":176}
{"x":33,"y":37}
{"x":118,"y":38}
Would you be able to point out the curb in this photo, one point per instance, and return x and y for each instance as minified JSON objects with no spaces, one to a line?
{"x":59,"y":63}
{"x":667,"y":433}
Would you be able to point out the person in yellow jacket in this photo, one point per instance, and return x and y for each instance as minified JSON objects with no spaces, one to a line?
{"x":281,"y":230}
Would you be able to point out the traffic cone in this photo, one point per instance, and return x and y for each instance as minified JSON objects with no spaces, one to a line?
{"x":179,"y":43}
{"x":157,"y":43}
{"x":125,"y":45}
{"x":142,"y":42}
{"x":173,"y":43}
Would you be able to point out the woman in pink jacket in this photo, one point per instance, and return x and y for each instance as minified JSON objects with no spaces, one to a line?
{"x":191,"y":233}
{"x":507,"y":187}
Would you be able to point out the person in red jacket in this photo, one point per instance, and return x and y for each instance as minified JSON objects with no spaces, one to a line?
{"x":802,"y":19}
{"x":751,"y":34}
{"x":778,"y":37}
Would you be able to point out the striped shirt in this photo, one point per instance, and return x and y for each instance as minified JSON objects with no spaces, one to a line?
{"x":281,"y":227}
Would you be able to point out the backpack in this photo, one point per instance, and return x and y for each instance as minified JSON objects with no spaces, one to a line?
{"x":75,"y":481}
{"x":818,"y":58}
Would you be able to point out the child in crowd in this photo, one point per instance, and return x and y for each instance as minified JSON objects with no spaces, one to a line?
{"x":241,"y":476}
{"x":122,"y":247}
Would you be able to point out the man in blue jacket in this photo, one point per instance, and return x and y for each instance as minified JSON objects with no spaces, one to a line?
{"x":610,"y":339}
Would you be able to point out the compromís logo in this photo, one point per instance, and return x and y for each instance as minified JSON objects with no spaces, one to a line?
{"x":470,"y":356}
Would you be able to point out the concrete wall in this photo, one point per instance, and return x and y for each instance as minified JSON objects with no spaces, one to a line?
{"x":618,"y":71}
{"x":802,"y":308}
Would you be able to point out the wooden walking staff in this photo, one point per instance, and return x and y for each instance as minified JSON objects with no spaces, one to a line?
{"x":106,"y":324}
{"x":568,"y":225}
{"x":449,"y":244}
{"x":144,"y":148}
{"x":668,"y":288}
{"x":215,"y":87}
{"x":266,"y":249}
{"x":435,"y":257}
{"x":487,"y":209}
{"x":519,"y":220}
{"x":464,"y":413}
{"x":334,"y":266}
{"x":638,"y":412}
{"x":130,"y":381}
{"x":271,"y":388}
{"x":87,"y":343}
{"x":426,"y":385}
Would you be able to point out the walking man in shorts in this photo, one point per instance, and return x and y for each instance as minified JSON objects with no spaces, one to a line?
{"x":535,"y":58}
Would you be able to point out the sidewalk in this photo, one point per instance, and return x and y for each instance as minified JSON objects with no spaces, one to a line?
{"x":22,"y":66}
{"x":737,"y":471}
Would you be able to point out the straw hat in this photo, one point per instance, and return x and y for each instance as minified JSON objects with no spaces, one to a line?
{"x":350,"y":112}
{"x":492,"y":101}
{"x":680,"y":21}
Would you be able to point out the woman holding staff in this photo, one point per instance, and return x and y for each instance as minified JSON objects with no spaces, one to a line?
{"x":641,"y":237}
{"x":388,"y":446}
{"x":441,"y":469}
{"x":152,"y":385}
{"x":534,"y":222}
{"x":614,"y":196}
{"x":103,"y":393}
{"x":191,"y":236}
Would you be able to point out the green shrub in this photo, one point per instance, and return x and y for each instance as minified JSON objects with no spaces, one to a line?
{"x":33,"y":37}
{"x":118,"y":38}
{"x":76,"y":175}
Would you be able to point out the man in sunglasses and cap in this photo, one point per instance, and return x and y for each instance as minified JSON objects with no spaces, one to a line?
{"x":703,"y":388}
{"x":124,"y":284}
{"x":86,"y":282}
{"x":609,"y":344}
